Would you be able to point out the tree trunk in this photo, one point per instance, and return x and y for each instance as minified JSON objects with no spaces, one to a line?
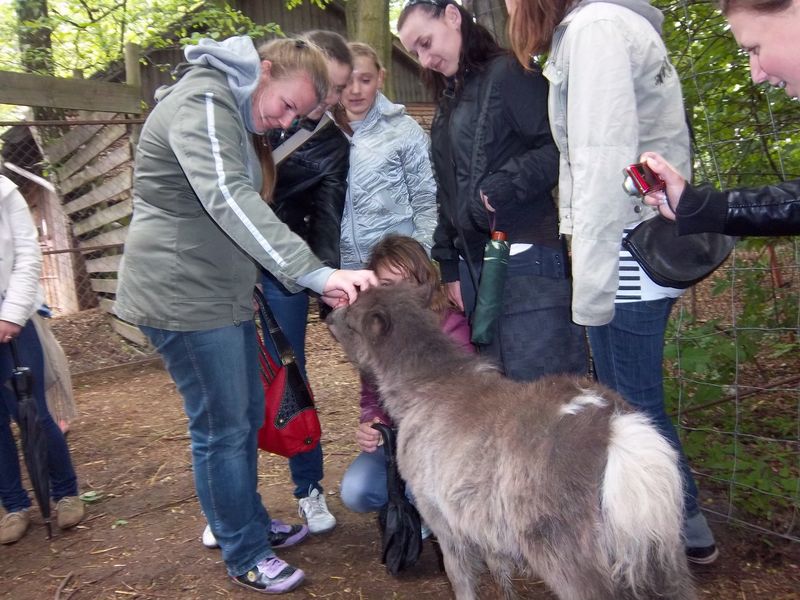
{"x":36,"y":48}
{"x":491,"y":14}
{"x":368,"y":22}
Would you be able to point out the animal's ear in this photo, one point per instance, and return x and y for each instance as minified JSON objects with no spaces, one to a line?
{"x":378,"y":324}
{"x":423,"y":295}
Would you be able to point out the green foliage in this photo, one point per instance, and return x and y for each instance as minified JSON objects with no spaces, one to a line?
{"x":745,"y":441}
{"x":321,"y":4}
{"x":89,"y":36}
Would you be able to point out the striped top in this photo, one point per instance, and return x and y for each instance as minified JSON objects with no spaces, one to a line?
{"x":634,"y":283}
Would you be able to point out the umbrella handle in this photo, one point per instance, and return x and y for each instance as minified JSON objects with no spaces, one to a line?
{"x":15,"y":352}
{"x":388,"y":435}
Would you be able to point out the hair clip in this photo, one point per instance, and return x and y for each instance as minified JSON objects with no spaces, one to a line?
{"x":300,"y":44}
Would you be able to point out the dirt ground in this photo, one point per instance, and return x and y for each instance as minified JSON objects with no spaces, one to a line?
{"x":141,"y":538}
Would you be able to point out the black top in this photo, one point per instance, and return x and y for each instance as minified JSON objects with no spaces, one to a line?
{"x":311,"y":187}
{"x":494,"y":137}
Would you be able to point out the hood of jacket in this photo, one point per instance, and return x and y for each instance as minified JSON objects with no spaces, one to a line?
{"x":382,"y":107}
{"x":235,"y":57}
{"x":640,"y":7}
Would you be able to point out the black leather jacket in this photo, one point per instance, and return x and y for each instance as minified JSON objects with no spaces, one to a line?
{"x":310,"y":190}
{"x":767,"y":210}
{"x":494,"y":137}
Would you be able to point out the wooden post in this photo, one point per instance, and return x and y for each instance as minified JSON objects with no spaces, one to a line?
{"x":133,"y":77}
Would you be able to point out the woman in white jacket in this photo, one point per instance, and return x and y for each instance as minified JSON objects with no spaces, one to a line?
{"x":20,"y":296}
{"x":613,"y":94}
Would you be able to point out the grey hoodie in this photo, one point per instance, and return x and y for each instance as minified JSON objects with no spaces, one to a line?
{"x":199,"y":225}
{"x":640,"y":7}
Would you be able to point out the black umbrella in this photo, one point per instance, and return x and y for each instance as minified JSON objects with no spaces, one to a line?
{"x":34,"y":442}
{"x":399,"y":520}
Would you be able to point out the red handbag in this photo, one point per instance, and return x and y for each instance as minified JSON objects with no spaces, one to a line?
{"x":291,"y":424}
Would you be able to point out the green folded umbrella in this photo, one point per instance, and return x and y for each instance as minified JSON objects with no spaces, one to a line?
{"x":489,"y":303}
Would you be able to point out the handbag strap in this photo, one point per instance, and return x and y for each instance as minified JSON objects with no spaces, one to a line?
{"x":270,"y":326}
{"x":298,"y":138}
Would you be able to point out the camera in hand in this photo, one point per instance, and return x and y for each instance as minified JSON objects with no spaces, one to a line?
{"x":640,"y":180}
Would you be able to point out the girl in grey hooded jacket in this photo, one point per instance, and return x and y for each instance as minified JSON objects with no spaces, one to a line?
{"x":200,"y":227}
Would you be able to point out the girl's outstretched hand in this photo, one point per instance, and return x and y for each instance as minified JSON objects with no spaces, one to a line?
{"x":343,"y":286}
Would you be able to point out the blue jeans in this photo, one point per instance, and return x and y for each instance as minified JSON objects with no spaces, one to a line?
{"x":63,"y":481}
{"x":291,"y":312}
{"x":217,"y":373}
{"x":364,"y":482}
{"x":628,"y":357}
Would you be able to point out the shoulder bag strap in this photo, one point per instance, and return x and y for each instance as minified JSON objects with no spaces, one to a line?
{"x":271,"y":328}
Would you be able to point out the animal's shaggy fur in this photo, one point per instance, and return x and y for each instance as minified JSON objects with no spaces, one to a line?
{"x":559,"y":477}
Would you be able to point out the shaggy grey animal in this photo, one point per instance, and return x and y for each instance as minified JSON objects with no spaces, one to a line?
{"x":558,"y":478}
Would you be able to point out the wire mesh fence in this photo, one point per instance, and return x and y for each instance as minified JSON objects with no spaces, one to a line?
{"x":732,"y":352}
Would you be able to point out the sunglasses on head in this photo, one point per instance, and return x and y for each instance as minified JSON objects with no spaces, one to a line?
{"x":436,"y":3}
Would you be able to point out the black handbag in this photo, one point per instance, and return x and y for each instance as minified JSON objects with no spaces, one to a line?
{"x":399,"y":520}
{"x":672,"y":260}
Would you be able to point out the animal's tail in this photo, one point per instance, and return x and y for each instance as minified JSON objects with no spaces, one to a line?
{"x":642,"y":504}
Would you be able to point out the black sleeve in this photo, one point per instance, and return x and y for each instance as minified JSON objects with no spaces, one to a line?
{"x":758,"y":211}
{"x":325,"y":228}
{"x":535,"y":170}
{"x":444,"y":251}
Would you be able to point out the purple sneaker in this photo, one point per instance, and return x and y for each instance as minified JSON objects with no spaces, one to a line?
{"x":282,"y":535}
{"x":271,"y":576}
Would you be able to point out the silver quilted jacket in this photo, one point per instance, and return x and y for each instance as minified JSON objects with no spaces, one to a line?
{"x":390,"y":186}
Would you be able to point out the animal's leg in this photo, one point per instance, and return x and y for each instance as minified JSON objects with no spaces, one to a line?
{"x":463,"y":567}
{"x":501,"y":569}
{"x":570,"y":575}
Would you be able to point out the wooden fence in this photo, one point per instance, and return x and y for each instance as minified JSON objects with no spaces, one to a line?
{"x":92,"y":167}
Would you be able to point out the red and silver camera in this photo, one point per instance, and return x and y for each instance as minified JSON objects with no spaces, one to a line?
{"x":640,"y":180}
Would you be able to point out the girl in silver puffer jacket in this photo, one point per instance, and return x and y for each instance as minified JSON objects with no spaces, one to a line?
{"x":390,"y":186}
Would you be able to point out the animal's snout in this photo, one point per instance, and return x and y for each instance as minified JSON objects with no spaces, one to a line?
{"x":334,"y":319}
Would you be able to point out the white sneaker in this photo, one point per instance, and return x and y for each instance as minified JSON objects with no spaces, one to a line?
{"x":315,"y":511}
{"x":281,"y":535}
{"x":209,"y":541}
{"x":425,"y":531}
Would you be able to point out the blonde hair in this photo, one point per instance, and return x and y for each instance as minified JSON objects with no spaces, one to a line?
{"x":289,"y":57}
{"x":367,"y":51}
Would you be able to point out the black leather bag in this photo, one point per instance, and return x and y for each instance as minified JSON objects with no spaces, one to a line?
{"x":672,"y":260}
{"x":399,"y":520}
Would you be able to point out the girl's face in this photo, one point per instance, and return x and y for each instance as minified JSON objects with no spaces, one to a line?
{"x":436,"y":42}
{"x":277,"y":102}
{"x":390,"y":274}
{"x":338,"y":76}
{"x":361,"y":89}
{"x":773,"y":42}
